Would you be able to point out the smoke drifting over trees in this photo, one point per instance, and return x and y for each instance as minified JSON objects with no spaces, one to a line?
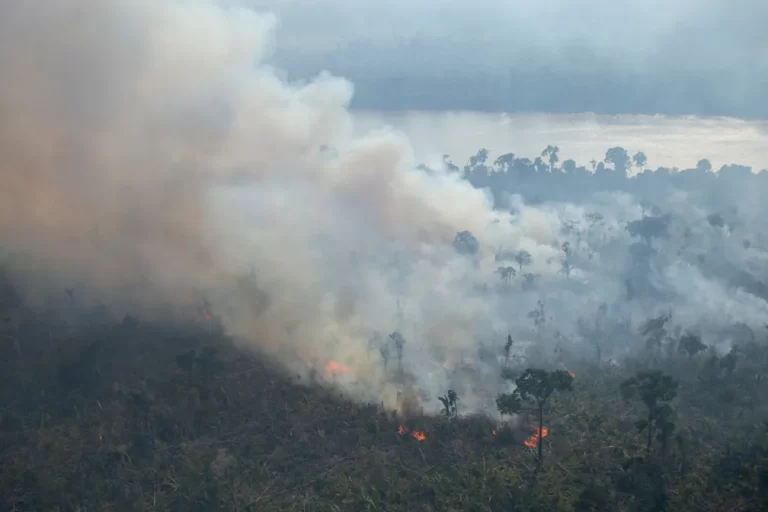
{"x":145,"y":166}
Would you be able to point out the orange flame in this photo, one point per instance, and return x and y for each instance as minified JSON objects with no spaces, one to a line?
{"x":416,"y":434}
{"x":334,"y":367}
{"x":533,"y":440}
{"x":206,"y":315}
{"x":493,"y":433}
{"x":572,"y":374}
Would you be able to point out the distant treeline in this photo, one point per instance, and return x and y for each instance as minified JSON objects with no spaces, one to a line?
{"x":546,"y":177}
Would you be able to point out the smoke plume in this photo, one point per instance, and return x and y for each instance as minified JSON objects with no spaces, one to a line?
{"x":150,"y":157}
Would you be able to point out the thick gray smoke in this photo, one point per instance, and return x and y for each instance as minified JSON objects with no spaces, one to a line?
{"x":124,"y":126}
{"x":149,"y":158}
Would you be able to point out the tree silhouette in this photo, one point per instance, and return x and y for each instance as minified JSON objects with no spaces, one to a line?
{"x":522,"y":258}
{"x":569,"y":167}
{"x":477,"y":172}
{"x":594,"y":332}
{"x":399,"y":342}
{"x":466,"y":243}
{"x":704,"y":166}
{"x":534,"y":387}
{"x":450,"y":401}
{"x":639,"y":159}
{"x":479,"y":159}
{"x":507,"y":349}
{"x":384,"y":351}
{"x":505,"y":162}
{"x":566,"y":266}
{"x":538,"y":316}
{"x":655,"y":390}
{"x":551,"y":153}
{"x":619,"y":158}
{"x":506,"y":273}
{"x":654,"y":331}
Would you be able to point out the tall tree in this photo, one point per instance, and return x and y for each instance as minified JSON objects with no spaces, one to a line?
{"x":639,"y":159}
{"x":534,"y":387}
{"x":523,"y":257}
{"x":450,"y":404}
{"x":619,"y":158}
{"x":704,"y":166}
{"x":655,"y":390}
{"x":506,"y":273}
{"x":551,"y":154}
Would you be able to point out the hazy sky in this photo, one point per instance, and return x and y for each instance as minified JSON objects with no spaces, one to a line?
{"x":651,"y":56}
{"x":666,"y":141}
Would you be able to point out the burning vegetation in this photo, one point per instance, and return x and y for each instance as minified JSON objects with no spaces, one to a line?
{"x":122,"y":121}
{"x":418,"y":435}
{"x":330,"y":369}
{"x":117,"y":403}
{"x":335,"y":368}
{"x":535,"y":437}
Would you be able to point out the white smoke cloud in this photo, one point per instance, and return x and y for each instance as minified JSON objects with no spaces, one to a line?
{"x":124,"y":124}
{"x":150,"y":156}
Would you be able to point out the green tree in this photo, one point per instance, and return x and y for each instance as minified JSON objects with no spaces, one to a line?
{"x":655,"y":390}
{"x":534,"y":387}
